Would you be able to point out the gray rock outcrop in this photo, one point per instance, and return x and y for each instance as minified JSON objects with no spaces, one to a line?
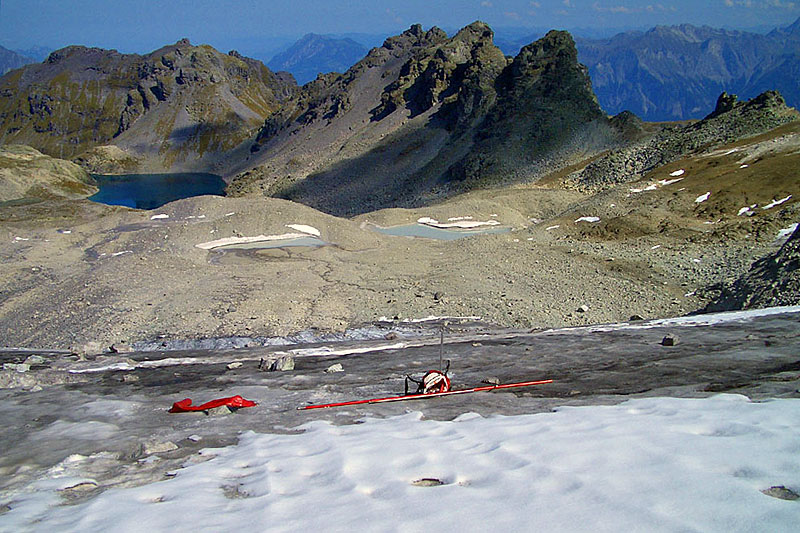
{"x":729,"y":121}
{"x":772,"y":281}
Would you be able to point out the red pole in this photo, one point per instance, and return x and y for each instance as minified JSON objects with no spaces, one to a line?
{"x":419,"y":396}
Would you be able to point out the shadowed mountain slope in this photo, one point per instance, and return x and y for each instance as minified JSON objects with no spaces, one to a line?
{"x":426,"y":116}
{"x":773,"y":280}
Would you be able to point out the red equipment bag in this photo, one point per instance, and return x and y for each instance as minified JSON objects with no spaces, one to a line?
{"x":185,"y":406}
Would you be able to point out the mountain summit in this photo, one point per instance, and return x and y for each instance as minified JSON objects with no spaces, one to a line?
{"x":179,"y":107}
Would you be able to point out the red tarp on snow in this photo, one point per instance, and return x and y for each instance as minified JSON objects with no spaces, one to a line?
{"x":185,"y":406}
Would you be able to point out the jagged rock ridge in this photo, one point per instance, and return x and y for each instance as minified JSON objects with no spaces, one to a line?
{"x":448,"y":114}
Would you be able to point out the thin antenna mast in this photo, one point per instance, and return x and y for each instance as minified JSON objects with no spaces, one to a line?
{"x":441,"y":349}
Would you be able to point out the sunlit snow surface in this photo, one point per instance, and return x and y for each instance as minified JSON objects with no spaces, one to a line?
{"x":682,"y":459}
{"x":658,"y":464}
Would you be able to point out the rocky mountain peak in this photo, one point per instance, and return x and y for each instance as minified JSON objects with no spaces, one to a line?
{"x":544,"y":97}
{"x":725,"y":103}
{"x":451,"y":114}
{"x":476,"y":31}
{"x":556,"y":43}
{"x":84,"y":97}
{"x":730,"y":120}
{"x":75,"y":51}
{"x":414,"y":31}
{"x":444,"y":71}
{"x":549,"y":68}
{"x":768,"y":106}
{"x":415,"y":36}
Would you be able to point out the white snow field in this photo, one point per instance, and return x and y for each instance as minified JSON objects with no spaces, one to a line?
{"x":654,"y":464}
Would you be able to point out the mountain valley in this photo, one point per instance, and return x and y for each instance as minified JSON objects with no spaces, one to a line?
{"x":607,"y":218}
{"x":223,"y":278}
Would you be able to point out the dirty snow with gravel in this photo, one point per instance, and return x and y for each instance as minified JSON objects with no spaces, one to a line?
{"x":785,"y":233}
{"x":746,"y":209}
{"x":655,"y":464}
{"x":650,"y":187}
{"x":777,"y":202}
{"x":648,"y":464}
{"x":702,"y":198}
{"x":227,"y":241}
{"x":464,"y":222}
{"x":656,"y":185}
{"x":311,"y":230}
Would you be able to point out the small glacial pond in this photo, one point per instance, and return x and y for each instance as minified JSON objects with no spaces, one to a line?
{"x":430,"y":232}
{"x":150,"y":191}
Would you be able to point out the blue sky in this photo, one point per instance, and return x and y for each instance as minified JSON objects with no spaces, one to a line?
{"x":144,"y":25}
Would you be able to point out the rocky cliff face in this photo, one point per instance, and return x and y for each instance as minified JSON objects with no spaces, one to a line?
{"x":457,"y":74}
{"x":424,"y":116}
{"x":545,"y":102}
{"x":178,"y":107}
{"x":332,"y":95}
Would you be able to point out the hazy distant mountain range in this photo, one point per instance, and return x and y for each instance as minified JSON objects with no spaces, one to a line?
{"x":677,"y":72}
{"x":10,"y":60}
{"x":315,"y":54}
{"x":666,"y":73}
{"x":36,"y":53}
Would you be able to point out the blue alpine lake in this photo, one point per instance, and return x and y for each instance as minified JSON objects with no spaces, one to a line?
{"x":149,"y":191}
